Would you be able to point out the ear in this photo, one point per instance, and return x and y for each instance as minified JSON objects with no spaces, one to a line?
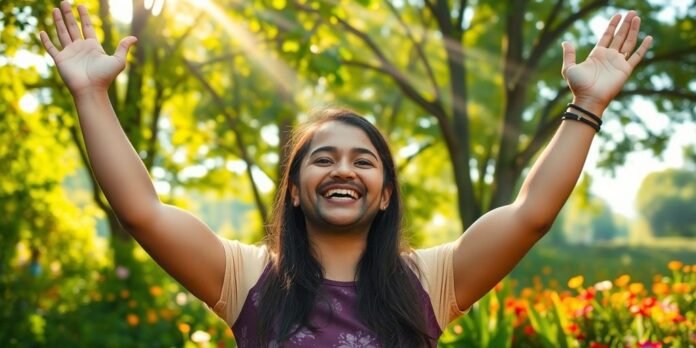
{"x":386,"y":195}
{"x":294,"y":196}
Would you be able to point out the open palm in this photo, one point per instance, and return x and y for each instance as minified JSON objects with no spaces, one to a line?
{"x":82,"y":63}
{"x":602,"y":75}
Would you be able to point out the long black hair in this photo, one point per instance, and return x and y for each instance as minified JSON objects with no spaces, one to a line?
{"x":388,"y":300}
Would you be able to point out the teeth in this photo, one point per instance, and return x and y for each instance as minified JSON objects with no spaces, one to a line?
{"x":345,"y":192}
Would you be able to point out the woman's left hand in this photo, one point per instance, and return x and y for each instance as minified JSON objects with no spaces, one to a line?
{"x":597,"y":80}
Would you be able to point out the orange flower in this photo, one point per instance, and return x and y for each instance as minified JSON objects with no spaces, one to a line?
{"x":636,"y":288}
{"x":156,"y":291}
{"x":660,"y":289}
{"x":125,"y":293}
{"x":680,"y":288}
{"x":132,"y":319}
{"x":527,"y":293}
{"x":675,"y":265}
{"x":622,"y":280}
{"x":151,"y":316}
{"x":184,"y":328}
{"x":576,"y":282}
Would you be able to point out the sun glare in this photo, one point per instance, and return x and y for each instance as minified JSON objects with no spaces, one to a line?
{"x":121,"y":11}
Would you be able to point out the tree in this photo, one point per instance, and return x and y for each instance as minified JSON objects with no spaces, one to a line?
{"x":667,"y":200}
{"x":487,"y":72}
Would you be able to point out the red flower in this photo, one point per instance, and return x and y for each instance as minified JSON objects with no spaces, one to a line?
{"x":598,"y":345}
{"x":573,"y":328}
{"x":588,"y":294}
{"x":678,"y":319}
{"x":529,"y":330}
{"x":648,"y":344}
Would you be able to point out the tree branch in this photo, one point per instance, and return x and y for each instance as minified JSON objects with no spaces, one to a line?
{"x":463,"y":4}
{"x":549,"y":37}
{"x":432,"y":107}
{"x":670,"y":56}
{"x":418,"y":48}
{"x":233,"y":123}
{"x":674,"y":93}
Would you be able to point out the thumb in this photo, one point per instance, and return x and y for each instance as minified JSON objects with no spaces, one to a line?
{"x":123,"y":46}
{"x":568,"y":57}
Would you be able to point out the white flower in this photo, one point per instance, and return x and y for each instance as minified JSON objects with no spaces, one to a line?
{"x":603,"y":285}
{"x":200,"y":337}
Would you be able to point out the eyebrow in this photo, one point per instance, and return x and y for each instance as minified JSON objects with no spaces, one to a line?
{"x":333,"y":149}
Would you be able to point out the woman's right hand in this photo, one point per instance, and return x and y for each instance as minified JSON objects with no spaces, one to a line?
{"x":83,"y":64}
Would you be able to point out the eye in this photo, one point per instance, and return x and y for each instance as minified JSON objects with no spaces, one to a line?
{"x":322,"y":161}
{"x":364,"y":163}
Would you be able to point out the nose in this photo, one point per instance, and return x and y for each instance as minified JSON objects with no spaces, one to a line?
{"x":344,"y":170}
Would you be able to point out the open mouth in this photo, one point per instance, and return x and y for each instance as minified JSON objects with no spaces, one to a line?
{"x":341,"y":194}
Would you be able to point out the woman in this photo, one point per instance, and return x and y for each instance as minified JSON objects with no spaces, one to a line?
{"x":333,"y":273}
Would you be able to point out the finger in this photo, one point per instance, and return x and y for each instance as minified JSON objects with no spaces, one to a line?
{"x":620,"y":35}
{"x":87,"y":27}
{"x":568,"y":56}
{"x":70,"y":21}
{"x":608,"y":34}
{"x":48,"y":45}
{"x":642,"y":50}
{"x":123,"y":46}
{"x":632,"y":37}
{"x":63,"y":35}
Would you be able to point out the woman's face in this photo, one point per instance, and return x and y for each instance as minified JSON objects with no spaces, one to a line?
{"x":341,"y":180}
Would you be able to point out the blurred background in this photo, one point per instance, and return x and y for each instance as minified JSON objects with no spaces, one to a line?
{"x":213,"y":87}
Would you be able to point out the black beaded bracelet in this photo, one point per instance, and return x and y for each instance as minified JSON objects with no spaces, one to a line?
{"x":576,"y":117}
{"x":584,"y":111}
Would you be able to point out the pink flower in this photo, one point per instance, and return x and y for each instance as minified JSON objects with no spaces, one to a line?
{"x":122,"y":272}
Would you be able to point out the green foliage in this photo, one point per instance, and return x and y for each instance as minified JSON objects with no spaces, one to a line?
{"x":667,"y":200}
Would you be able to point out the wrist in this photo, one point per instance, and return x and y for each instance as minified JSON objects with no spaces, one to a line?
{"x":90,"y":93}
{"x":590,"y":105}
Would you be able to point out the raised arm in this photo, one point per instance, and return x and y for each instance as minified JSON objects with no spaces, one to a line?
{"x":179,"y":242}
{"x":495,"y":243}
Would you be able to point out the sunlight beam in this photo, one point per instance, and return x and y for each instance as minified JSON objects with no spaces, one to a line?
{"x":275,"y":69}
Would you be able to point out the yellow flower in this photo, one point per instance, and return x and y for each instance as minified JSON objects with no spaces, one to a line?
{"x":674,"y":265}
{"x":132,"y":319}
{"x":576,"y":282}
{"x":622,"y":280}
